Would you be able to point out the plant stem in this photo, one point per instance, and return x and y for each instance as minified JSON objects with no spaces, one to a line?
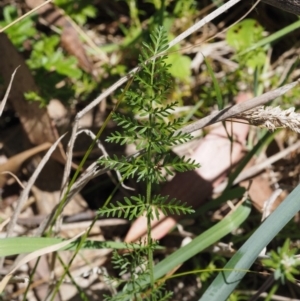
{"x":149,"y":214}
{"x":149,"y":185}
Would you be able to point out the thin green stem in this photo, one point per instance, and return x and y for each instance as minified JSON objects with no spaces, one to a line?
{"x":31,"y":278}
{"x":149,"y":236}
{"x":82,"y":294}
{"x":272,"y":291}
{"x":149,"y":185}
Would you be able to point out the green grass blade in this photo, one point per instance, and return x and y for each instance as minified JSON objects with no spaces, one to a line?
{"x":203,"y":241}
{"x":20,"y":245}
{"x":234,"y":270}
{"x":262,"y":142}
{"x":217,"y":89}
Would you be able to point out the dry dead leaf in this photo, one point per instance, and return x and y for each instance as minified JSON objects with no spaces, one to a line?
{"x":14,"y":163}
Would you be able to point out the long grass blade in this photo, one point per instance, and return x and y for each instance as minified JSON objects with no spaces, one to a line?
{"x":20,"y":245}
{"x":234,"y":270}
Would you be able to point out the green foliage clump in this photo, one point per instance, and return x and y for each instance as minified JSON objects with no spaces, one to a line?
{"x":79,"y":11}
{"x":47,"y":60}
{"x":56,"y":74}
{"x":284,"y":262}
{"x":242,"y":36}
{"x":22,"y":31}
{"x":47,"y":55}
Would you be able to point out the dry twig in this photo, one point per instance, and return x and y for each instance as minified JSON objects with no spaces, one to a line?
{"x":3,"y":102}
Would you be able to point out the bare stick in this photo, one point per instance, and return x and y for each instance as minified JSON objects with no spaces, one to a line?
{"x":3,"y":102}
{"x":25,"y":192}
{"x":230,"y":112}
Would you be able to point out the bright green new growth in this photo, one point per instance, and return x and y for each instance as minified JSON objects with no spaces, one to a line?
{"x":153,"y":133}
{"x":284,"y":263}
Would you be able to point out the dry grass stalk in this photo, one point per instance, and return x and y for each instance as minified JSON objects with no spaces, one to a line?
{"x":272,"y":118}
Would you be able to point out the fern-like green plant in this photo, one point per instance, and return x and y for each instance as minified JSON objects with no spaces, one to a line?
{"x":153,"y":133}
